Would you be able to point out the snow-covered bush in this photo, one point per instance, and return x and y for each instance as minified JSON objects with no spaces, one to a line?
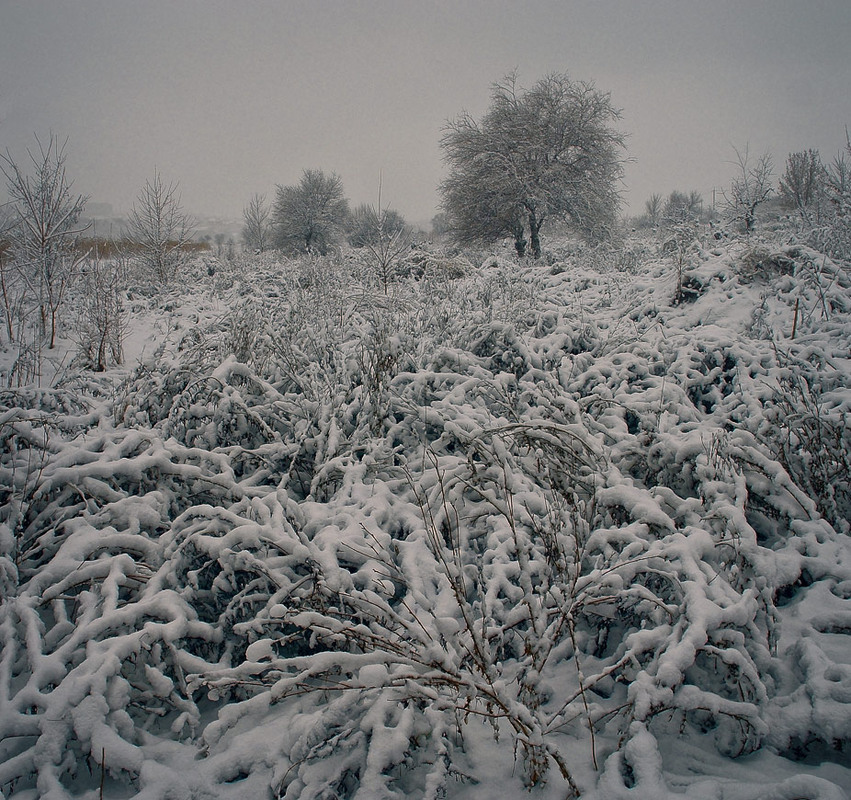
{"x":327,"y":544}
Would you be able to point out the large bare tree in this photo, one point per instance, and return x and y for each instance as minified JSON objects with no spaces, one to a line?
{"x":547,"y":152}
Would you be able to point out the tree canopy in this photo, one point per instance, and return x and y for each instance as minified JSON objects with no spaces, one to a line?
{"x":547,"y":152}
{"x":311,"y":215}
{"x":368,"y":224}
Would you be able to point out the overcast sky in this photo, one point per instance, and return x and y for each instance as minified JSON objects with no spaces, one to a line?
{"x":231,"y":97}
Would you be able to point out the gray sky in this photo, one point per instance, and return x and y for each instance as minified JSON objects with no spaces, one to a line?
{"x":233,"y":97}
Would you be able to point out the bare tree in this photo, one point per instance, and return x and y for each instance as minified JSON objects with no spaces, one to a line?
{"x":45,"y":228}
{"x":681,"y":206}
{"x":366,"y":220}
{"x":8,"y":294}
{"x":838,"y":179}
{"x":653,"y":210}
{"x":385,"y":236}
{"x":835,"y":236}
{"x":751,"y":187}
{"x":255,"y":228}
{"x":440,"y":225}
{"x":101,"y":326}
{"x":160,"y":230}
{"x":220,"y":239}
{"x":310,"y":216}
{"x":802,"y":184}
{"x":546,"y":152}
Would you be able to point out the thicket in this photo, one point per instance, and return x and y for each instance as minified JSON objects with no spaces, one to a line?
{"x":322,"y":540}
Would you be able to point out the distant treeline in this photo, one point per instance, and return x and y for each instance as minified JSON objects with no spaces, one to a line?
{"x":113,"y":248}
{"x":99,"y":247}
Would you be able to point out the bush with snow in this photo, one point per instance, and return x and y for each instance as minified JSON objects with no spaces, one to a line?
{"x":332,"y":544}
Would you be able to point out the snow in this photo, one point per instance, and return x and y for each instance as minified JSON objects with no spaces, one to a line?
{"x":514,"y":526}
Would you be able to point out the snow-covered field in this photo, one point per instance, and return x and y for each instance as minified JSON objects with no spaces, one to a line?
{"x":509,"y":525}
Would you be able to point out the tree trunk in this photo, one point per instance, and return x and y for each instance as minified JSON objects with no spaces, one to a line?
{"x":7,"y":305}
{"x":534,"y":231}
{"x":101,"y":359}
{"x":750,"y":218}
{"x":519,"y":239}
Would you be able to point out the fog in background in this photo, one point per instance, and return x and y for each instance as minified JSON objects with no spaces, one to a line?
{"x":232,"y":98}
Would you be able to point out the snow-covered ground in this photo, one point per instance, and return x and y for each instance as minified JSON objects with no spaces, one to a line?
{"x":509,"y":525}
